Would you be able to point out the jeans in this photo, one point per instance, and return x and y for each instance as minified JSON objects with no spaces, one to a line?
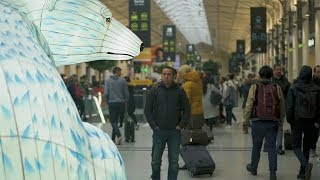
{"x":279,"y":138}
{"x":161,"y":137}
{"x":116,"y":109}
{"x":267,"y":130}
{"x":309,"y":135}
{"x":230,"y":115}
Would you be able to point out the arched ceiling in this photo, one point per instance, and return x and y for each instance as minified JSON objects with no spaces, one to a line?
{"x":228,"y":21}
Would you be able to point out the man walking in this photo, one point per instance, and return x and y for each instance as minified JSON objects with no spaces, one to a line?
{"x":167,"y":111}
{"x":266,"y":108}
{"x":316,"y":80}
{"x":279,"y":79}
{"x":116,"y":93}
{"x":303,"y":115}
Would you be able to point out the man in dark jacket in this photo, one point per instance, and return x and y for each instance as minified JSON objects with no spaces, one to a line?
{"x":279,"y":79}
{"x":316,"y":80}
{"x":167,"y":111}
{"x":303,"y":115}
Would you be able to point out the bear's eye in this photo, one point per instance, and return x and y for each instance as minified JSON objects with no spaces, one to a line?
{"x":108,"y":20}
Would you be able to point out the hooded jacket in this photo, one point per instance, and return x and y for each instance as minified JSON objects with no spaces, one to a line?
{"x":193,"y":89}
{"x":304,"y":84}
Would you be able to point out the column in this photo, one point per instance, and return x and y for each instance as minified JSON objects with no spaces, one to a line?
{"x":82,"y":69}
{"x":305,"y":37}
{"x":295,"y":52}
{"x":317,"y":32}
{"x":73,"y":69}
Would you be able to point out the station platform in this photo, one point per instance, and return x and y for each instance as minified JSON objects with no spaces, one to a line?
{"x":231,"y":151}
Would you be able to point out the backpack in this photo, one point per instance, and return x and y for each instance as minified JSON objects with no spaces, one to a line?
{"x":232,"y":99}
{"x":215,"y":98}
{"x":267,"y":102}
{"x":305,"y":104}
{"x":78,"y":91}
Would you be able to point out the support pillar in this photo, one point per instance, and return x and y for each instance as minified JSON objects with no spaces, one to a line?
{"x":317,"y":32}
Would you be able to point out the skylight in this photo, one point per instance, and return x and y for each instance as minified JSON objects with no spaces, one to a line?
{"x":190,"y":18}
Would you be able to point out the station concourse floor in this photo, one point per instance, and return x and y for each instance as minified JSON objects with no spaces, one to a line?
{"x":231,"y":151}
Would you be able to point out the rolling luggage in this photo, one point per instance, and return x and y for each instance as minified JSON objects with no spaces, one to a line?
{"x":129,"y":129}
{"x":196,"y":137}
{"x":197,"y":159}
{"x":287,"y":140}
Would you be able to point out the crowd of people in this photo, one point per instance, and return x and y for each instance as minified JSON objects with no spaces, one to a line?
{"x":269,"y":99}
{"x":184,"y":99}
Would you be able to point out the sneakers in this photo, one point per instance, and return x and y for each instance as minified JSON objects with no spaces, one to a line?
{"x":273,"y":175}
{"x":137,"y":126}
{"x":228,"y":127}
{"x":280,"y":151}
{"x":313,"y":153}
{"x":300,"y":176}
{"x":308,"y":171}
{"x":251,"y":170}
{"x":119,"y":140}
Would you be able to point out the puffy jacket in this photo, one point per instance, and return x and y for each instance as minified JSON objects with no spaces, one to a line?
{"x":193,"y":89}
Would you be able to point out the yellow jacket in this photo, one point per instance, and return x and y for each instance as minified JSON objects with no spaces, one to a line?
{"x":193,"y":89}
{"x":250,"y":103}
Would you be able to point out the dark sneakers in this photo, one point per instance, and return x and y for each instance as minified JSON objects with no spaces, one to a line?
{"x":273,"y":175}
{"x":280,"y":151}
{"x":251,"y":170}
{"x":308,"y":171}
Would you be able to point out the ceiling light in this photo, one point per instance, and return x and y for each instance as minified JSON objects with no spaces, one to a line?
{"x":190,"y":18}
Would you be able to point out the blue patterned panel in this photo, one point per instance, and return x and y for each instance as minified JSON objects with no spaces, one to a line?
{"x":41,"y":133}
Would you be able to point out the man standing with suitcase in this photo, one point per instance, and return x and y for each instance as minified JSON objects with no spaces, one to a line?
{"x":167,"y":111}
{"x":265,"y":108}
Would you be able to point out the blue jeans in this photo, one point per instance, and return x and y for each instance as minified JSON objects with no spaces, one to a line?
{"x":161,"y":137}
{"x":267,"y":130}
{"x":230,"y":115}
{"x":116,"y":109}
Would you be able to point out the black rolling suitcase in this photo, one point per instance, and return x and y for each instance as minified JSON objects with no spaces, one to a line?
{"x":197,"y":159}
{"x":129,"y":129}
{"x":287,"y":140}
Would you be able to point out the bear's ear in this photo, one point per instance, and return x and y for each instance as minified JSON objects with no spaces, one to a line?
{"x":106,"y":14}
{"x":50,"y":4}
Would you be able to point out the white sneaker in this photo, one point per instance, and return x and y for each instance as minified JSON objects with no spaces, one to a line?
{"x":313,"y":153}
{"x":119,"y":140}
{"x":137,"y":126}
{"x":228,"y":127}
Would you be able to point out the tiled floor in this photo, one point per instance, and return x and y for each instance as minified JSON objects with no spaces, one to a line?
{"x":231,"y":152}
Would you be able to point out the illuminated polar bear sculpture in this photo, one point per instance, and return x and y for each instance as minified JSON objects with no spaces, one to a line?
{"x":41,"y":133}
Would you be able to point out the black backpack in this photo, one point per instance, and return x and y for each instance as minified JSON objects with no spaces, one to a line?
{"x":305,"y":103}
